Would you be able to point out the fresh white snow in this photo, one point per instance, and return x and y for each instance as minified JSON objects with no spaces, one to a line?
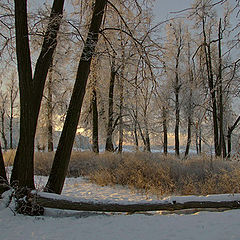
{"x":70,"y":225}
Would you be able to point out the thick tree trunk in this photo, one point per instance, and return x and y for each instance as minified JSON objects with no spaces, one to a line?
{"x":109,"y":143}
{"x":22,"y":173}
{"x":31,"y":89}
{"x":69,"y":204}
{"x":95,"y":146}
{"x":62,"y":157}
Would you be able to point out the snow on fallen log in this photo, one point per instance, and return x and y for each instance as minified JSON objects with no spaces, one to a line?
{"x":222,"y":201}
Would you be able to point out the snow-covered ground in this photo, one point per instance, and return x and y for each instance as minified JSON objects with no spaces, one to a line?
{"x":61,"y":225}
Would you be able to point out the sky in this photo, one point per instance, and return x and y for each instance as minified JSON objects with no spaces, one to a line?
{"x":163,"y":8}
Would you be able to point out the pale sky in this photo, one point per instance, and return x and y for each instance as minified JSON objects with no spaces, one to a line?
{"x":164,"y":7}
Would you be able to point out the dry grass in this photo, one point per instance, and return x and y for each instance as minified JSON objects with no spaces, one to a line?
{"x":149,"y":173}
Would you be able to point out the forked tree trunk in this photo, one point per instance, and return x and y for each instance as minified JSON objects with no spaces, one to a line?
{"x":207,"y":50}
{"x":62,"y":157}
{"x":31,"y":88}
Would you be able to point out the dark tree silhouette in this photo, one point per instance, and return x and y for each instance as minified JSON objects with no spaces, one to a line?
{"x":31,"y":87}
{"x":62,"y":157}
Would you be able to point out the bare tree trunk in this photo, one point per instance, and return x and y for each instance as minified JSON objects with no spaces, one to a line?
{"x":31,"y":88}
{"x":190,"y":106}
{"x":222,"y":144}
{"x":212,"y":90}
{"x":109,"y":144}
{"x":95,"y":145}
{"x":165,"y":132}
{"x":136,"y":136}
{"x":3,"y":176}
{"x":200,"y":140}
{"x":177,"y":106}
{"x":50,"y":110}
{"x":147,"y":138}
{"x":177,"y":122}
{"x":189,"y":138}
{"x":120,"y":142}
{"x":13,"y":95}
{"x":62,"y":157}
{"x":3,"y":135}
{"x":51,"y":201}
{"x":229,"y":136}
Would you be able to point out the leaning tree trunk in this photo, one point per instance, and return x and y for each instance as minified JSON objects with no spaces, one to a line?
{"x":62,"y":157}
{"x":31,"y":88}
{"x":109,"y":144}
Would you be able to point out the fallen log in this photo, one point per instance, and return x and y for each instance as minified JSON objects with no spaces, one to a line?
{"x":61,"y":202}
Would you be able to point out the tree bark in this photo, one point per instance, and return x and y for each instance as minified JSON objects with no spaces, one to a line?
{"x":120,"y":142}
{"x":3,"y":176}
{"x":62,"y":157}
{"x":190,"y":105}
{"x":229,"y":136}
{"x":109,"y":144}
{"x":207,"y":50}
{"x":69,"y":204}
{"x":31,"y":88}
{"x":177,"y":105}
{"x":165,"y":132}
{"x":50,"y":110}
{"x":95,"y":146}
{"x":177,"y":122}
{"x":222,"y":144}
{"x":3,"y":135}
